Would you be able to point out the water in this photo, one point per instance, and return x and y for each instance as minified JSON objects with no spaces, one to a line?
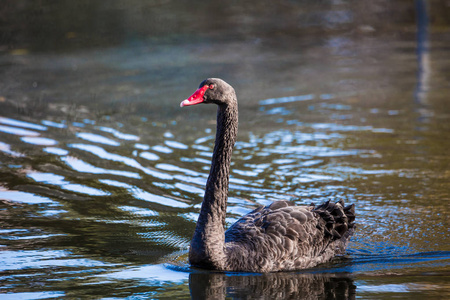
{"x":102,"y":174}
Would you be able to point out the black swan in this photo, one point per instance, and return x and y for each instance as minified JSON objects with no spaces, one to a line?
{"x":278,"y":237}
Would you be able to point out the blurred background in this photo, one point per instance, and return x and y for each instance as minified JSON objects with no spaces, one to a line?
{"x":102,"y":174}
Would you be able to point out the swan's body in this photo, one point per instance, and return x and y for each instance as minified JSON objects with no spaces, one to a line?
{"x":278,"y":237}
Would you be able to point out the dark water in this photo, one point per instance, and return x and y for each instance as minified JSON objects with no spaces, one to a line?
{"x":102,"y":174}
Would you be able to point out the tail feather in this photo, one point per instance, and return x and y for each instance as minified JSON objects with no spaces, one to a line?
{"x":350,"y":213}
{"x":337,"y":220}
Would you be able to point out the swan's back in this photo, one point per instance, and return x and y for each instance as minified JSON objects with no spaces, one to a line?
{"x":283,"y":237}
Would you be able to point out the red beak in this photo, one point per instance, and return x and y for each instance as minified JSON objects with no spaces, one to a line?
{"x":196,"y":97}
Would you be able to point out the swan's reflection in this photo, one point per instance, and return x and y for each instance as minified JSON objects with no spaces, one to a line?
{"x":271,"y":286}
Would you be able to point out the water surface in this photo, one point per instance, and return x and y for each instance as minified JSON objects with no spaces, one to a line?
{"x":102,"y":174}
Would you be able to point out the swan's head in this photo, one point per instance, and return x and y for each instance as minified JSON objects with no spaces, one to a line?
{"x":212,"y":90}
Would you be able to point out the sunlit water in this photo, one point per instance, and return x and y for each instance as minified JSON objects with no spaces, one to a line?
{"x":102,"y":174}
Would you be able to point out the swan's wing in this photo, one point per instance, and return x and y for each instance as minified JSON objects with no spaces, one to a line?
{"x":280,"y":219}
{"x":283,"y":236}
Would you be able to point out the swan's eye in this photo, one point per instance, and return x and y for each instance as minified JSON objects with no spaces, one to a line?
{"x":211,"y":86}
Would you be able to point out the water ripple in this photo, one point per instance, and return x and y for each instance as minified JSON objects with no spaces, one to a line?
{"x":152,"y":273}
{"x":6,"y":148}
{"x":162,"y":149}
{"x":17,"y":260}
{"x":339,"y":127}
{"x":96,"y":138}
{"x":82,"y":166}
{"x":54,"y":124}
{"x":24,"y":197}
{"x":118,"y":134}
{"x":147,"y":196}
{"x":169,"y":167}
{"x":39,"y":141}
{"x":204,"y":139}
{"x":23,"y":124}
{"x":287,"y":99}
{"x":141,"y":146}
{"x":177,"y":145}
{"x":18,"y":131}
{"x":139,"y":193}
{"x":53,"y":179}
{"x":102,"y":153}
{"x":189,"y":188}
{"x":34,"y":295}
{"x":139,"y":211}
{"x":56,"y":151}
{"x":148,"y":155}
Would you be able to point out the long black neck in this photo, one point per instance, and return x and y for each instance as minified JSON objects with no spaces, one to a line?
{"x":207,"y":246}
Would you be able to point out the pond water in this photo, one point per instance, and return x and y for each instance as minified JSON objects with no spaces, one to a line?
{"x":102,"y":173}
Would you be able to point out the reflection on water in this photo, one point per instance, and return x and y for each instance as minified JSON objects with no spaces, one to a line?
{"x":102,"y":175}
{"x":271,"y":286}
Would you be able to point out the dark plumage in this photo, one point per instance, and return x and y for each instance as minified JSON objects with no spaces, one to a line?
{"x":277,"y":237}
